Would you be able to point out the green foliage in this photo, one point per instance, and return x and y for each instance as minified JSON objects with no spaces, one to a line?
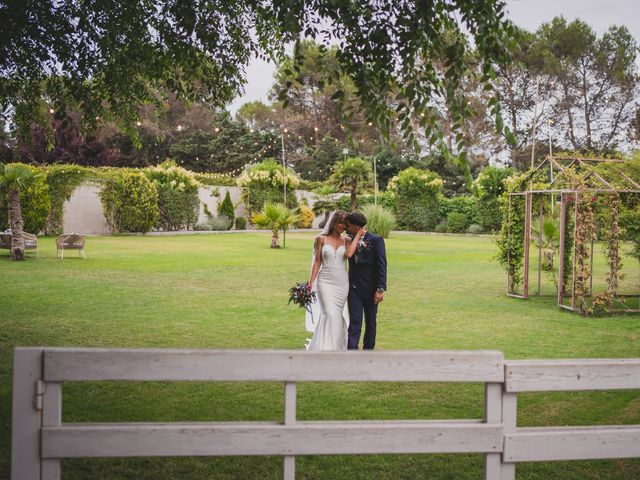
{"x":34,"y":201}
{"x":227,"y":209}
{"x":441,"y":227}
{"x":489,"y":215}
{"x":305,"y":217}
{"x":241,"y":223}
{"x":36,"y":205}
{"x":457,"y":222}
{"x":215,"y":179}
{"x":220,"y":223}
{"x":489,"y":187}
{"x":465,"y":204}
{"x":630,"y":222}
{"x":474,"y":229}
{"x":379,"y":220}
{"x":178,"y":202}
{"x":275,"y":217}
{"x":225,"y":148}
{"x":264,"y":184}
{"x":416,"y":192}
{"x":352,"y":175}
{"x":131,"y":50}
{"x":130,"y":203}
{"x":511,"y":239}
{"x":326,"y":153}
{"x":386,"y":199}
{"x":62,"y":181}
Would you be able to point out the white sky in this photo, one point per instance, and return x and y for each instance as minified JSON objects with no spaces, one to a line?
{"x":528,"y":14}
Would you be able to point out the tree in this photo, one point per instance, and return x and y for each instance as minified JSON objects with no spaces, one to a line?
{"x":596,"y":81}
{"x":352,"y":173}
{"x":275,"y":217}
{"x":14,"y":178}
{"x":226,"y":208}
{"x":112,"y":57}
{"x":321,"y":159}
{"x":518,"y":84}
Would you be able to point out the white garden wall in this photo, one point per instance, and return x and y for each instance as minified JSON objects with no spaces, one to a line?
{"x":83,"y":211}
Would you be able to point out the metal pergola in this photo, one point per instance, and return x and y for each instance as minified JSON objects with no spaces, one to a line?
{"x":568,"y":198}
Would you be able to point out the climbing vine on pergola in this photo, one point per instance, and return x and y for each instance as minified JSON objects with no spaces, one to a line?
{"x":576,"y":201}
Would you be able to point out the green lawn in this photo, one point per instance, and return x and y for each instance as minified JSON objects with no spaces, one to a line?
{"x":230,"y":291}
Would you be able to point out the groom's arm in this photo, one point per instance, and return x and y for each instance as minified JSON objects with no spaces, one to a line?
{"x":381,"y":260}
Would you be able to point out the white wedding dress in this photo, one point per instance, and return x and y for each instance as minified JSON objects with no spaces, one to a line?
{"x":330,"y":315}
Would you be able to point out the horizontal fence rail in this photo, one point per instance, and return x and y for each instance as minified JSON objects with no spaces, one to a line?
{"x":40,"y":439}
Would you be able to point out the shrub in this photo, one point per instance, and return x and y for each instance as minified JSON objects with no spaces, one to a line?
{"x":241,"y":223}
{"x":474,"y":229}
{"x":489,"y":187}
{"x":305,"y":217}
{"x":457,"y":222}
{"x":386,"y":199}
{"x":416,"y":193}
{"x":465,"y":204}
{"x":441,"y":227}
{"x":264,"y":184}
{"x":130,"y":203}
{"x":379,"y":220}
{"x":178,"y":202}
{"x":202,"y":227}
{"x":489,"y":214}
{"x":219,"y":223}
{"x":62,"y":181}
{"x":36,"y":205}
{"x":226,"y":208}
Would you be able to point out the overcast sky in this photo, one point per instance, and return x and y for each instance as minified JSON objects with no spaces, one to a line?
{"x":528,"y":14}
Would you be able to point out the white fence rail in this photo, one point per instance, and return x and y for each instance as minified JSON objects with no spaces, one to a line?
{"x":40,"y":440}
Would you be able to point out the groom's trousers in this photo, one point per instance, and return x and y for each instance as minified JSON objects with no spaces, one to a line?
{"x":357,"y":307}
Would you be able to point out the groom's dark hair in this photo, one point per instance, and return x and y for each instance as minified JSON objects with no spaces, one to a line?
{"x":357,"y":218}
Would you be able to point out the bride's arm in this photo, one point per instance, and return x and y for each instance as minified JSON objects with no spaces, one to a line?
{"x":317,"y":248}
{"x":353,"y":244}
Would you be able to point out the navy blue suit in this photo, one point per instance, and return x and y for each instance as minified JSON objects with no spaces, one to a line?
{"x":367,"y":273}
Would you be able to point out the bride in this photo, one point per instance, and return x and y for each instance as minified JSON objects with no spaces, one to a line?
{"x":330,"y":315}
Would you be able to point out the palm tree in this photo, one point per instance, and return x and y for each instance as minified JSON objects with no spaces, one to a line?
{"x":275,"y":217}
{"x":350,"y":173}
{"x":13,"y":178}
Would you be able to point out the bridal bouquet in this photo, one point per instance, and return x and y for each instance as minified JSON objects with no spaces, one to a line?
{"x":301,"y":295}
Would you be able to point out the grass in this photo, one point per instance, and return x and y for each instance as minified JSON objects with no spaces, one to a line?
{"x":230,"y":291}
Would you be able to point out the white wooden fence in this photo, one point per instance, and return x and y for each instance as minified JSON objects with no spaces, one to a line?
{"x":40,"y":439}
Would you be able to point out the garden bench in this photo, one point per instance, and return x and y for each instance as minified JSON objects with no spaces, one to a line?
{"x":70,"y":241}
{"x":30,"y":241}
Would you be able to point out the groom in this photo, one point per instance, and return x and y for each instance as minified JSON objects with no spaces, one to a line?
{"x":367,"y":282}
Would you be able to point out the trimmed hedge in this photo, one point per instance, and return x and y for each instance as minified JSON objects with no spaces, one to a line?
{"x":130,"y":203}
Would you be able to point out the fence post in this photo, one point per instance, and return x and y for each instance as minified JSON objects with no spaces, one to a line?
{"x":289,"y":419}
{"x":492,"y":414}
{"x":509,"y":422}
{"x":51,"y":417}
{"x":26,"y":414}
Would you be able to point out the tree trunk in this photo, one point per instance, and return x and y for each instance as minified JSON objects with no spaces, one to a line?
{"x":354,"y":186}
{"x":275,"y":243}
{"x":16,"y":223}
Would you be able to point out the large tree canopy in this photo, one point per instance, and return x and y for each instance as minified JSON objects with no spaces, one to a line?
{"x":107,"y":58}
